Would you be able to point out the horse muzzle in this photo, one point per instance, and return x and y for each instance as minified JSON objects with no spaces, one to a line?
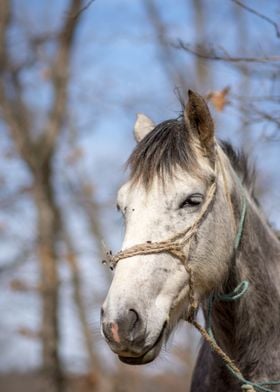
{"x":126,"y":336}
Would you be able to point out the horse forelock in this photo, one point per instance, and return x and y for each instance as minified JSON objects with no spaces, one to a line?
{"x":168,"y":146}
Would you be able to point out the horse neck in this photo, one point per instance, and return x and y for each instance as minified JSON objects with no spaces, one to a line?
{"x":248,"y":329}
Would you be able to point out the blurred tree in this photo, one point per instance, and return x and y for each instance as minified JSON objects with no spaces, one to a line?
{"x":36,"y":147}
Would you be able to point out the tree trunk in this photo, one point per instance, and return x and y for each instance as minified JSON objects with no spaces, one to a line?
{"x":94,"y":365}
{"x":47,"y":226}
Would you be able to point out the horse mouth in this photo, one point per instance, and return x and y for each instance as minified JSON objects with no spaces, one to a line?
{"x":149,"y":355}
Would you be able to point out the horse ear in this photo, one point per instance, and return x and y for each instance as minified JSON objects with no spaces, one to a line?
{"x":143,"y":125}
{"x":201,"y":123}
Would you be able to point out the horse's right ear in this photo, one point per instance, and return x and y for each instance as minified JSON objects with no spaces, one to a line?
{"x":201,"y":123}
{"x":143,"y":125}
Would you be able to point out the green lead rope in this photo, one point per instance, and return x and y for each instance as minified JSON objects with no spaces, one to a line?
{"x":236,"y":294}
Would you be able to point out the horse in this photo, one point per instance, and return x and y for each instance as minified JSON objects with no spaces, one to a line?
{"x":195,"y":235}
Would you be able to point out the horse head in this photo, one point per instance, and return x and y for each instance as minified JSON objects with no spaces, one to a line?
{"x":179,"y":231}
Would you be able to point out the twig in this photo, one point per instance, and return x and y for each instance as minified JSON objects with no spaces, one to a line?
{"x":164,"y":51}
{"x":82,"y":9}
{"x":257,"y":13}
{"x":207,"y":54}
{"x":17,"y":261}
{"x":59,"y":81}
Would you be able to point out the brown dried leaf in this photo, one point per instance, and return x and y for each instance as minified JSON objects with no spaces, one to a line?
{"x":219,"y":99}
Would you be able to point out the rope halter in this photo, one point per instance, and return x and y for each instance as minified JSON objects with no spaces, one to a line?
{"x":174,"y":245}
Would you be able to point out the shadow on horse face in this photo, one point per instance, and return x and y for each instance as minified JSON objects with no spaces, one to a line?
{"x":150,"y":293}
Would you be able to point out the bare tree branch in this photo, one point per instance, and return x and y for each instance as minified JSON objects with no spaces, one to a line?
{"x":13,"y":119}
{"x":82,"y":9}
{"x":262,"y":98}
{"x":85,"y":197}
{"x":261,"y":114}
{"x":17,"y":261}
{"x":13,"y":109}
{"x":60,"y":77}
{"x":8,"y":200}
{"x":210,"y":54}
{"x":167,"y":58}
{"x":260,"y":15}
{"x":5,"y":14}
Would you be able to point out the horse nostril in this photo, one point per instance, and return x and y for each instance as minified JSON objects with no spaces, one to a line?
{"x":127,"y":327}
{"x":133,"y":318}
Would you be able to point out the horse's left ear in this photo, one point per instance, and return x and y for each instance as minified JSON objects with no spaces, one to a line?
{"x":143,"y":125}
{"x":201,"y":123}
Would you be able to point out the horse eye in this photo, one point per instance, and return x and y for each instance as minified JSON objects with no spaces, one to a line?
{"x":192,"y":201}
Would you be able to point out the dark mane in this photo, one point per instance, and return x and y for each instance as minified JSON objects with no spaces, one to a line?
{"x":167,"y":146}
{"x":240,"y":163}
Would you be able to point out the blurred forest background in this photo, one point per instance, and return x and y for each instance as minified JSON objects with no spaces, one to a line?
{"x":73,"y":75}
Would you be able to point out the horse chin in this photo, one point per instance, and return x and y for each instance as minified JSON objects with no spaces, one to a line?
{"x":149,"y":355}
